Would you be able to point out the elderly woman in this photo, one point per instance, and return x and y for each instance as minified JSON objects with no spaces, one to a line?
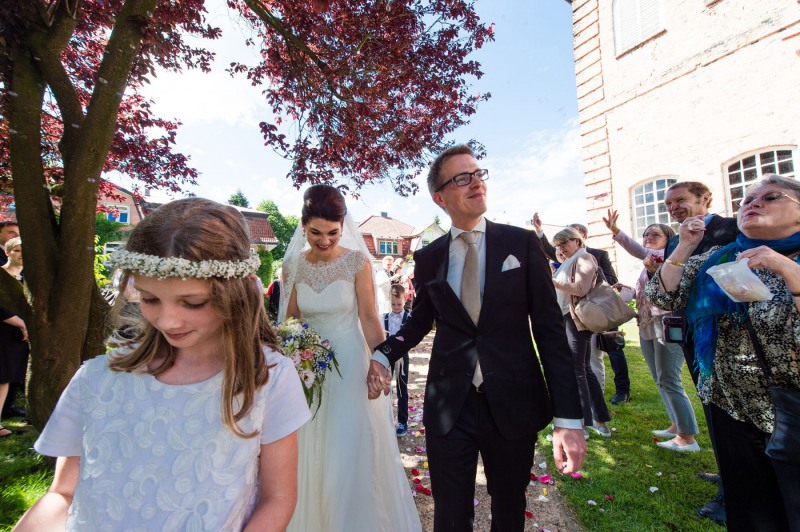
{"x":665,"y":360}
{"x":13,"y":333}
{"x":573,"y":280}
{"x":760,"y":493}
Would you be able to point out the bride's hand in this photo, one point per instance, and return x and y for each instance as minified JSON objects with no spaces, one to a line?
{"x":378,"y":380}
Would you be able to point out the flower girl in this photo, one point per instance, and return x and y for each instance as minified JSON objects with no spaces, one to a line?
{"x":191,"y":424}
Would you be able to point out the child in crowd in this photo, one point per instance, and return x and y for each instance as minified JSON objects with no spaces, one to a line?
{"x":191,"y":424}
{"x":392,"y":321}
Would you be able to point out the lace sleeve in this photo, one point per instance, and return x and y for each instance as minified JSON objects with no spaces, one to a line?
{"x":356,"y":261}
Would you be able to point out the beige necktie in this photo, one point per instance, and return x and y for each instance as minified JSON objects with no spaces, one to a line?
{"x":471,"y":290}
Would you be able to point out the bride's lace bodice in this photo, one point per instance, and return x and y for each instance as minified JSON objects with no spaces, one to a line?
{"x":321,"y":274}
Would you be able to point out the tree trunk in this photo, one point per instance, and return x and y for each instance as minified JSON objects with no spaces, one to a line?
{"x":68,"y":315}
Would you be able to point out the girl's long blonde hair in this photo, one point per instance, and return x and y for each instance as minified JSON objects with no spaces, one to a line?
{"x":199,"y":229}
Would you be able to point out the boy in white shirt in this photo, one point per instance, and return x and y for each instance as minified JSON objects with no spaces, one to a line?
{"x":392,"y":321}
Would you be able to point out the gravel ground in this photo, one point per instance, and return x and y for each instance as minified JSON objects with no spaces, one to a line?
{"x":549,"y":514}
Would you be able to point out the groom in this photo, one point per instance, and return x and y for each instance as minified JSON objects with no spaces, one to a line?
{"x":486,"y":286}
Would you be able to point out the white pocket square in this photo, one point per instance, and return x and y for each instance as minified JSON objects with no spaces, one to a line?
{"x":510,"y":263}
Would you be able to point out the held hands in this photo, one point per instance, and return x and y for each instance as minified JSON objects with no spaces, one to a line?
{"x":569,"y":449}
{"x":611,"y":221}
{"x":379,"y":380}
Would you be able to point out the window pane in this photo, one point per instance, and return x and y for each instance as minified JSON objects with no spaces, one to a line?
{"x":767,"y":157}
{"x":648,"y":198}
{"x":123,"y":217}
{"x":735,"y":166}
{"x":750,"y":175}
{"x":736,"y":193}
{"x":749,"y":162}
{"x":648,"y":187}
{"x":785,"y":168}
{"x":639,"y":212}
{"x":660,"y":194}
{"x":783,"y":154}
{"x":651,"y":210}
{"x":735,"y":178}
{"x":768,"y":169}
{"x":662,"y":208}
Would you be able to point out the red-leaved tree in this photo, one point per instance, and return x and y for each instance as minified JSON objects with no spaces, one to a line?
{"x":370,"y":88}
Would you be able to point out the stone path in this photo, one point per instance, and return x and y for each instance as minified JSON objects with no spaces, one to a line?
{"x":549,"y":514}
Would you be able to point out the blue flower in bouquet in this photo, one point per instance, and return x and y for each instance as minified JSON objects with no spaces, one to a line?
{"x":311,"y":355}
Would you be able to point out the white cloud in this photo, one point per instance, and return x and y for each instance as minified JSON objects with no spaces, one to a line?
{"x":545,"y":176}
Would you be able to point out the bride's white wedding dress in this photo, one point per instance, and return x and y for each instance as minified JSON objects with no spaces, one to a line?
{"x":350,"y":475}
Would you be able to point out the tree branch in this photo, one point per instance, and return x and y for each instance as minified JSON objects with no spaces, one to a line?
{"x":293,"y":41}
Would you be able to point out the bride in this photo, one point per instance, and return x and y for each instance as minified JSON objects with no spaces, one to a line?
{"x":350,"y":476}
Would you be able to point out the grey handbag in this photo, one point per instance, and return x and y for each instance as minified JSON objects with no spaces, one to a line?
{"x":601,"y":308}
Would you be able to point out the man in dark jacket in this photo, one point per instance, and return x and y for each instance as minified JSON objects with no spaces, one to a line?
{"x":683,"y":200}
{"x":488,"y":288}
{"x":619,"y":364}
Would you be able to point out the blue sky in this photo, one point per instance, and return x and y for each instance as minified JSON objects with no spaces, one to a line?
{"x":529,"y":126}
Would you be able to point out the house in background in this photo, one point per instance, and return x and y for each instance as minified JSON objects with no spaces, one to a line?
{"x":424,"y":235}
{"x":682,"y":90}
{"x":126,"y":208}
{"x":384,"y":235}
{"x":131,"y":211}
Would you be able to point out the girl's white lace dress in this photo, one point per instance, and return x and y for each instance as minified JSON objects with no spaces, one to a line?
{"x":350,"y":474}
{"x":156,"y":456}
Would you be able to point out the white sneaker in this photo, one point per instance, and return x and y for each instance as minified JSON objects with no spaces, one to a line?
{"x":672,"y":446}
{"x":664,"y":433}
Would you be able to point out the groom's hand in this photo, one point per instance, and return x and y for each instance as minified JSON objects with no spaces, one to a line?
{"x":569,"y":449}
{"x":379,"y":379}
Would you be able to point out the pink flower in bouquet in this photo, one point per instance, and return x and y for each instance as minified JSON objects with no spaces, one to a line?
{"x":296,"y":358}
{"x":307,"y":354}
{"x":326,"y":344}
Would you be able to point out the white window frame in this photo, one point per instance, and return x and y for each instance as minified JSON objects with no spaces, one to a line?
{"x":122,"y":209}
{"x":649,"y":196}
{"x":748,"y":168}
{"x":636,"y":21}
{"x":393,"y":246}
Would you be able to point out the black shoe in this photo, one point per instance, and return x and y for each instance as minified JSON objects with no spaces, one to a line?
{"x":714,"y":509}
{"x":621,"y":398}
{"x":709,"y":477}
{"x":14,"y":411}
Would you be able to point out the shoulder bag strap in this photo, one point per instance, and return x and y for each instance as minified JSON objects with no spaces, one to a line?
{"x":759,"y":349}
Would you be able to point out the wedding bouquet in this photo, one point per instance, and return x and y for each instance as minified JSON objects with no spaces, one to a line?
{"x":312,"y":356}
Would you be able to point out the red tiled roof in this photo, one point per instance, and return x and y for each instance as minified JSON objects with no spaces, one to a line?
{"x":260,"y":229}
{"x":385,"y":228}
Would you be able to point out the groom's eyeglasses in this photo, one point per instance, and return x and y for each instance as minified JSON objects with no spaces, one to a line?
{"x":465,"y":179}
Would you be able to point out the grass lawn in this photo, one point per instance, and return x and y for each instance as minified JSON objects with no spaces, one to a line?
{"x":624,"y":466}
{"x":24,"y":475}
{"x":628,"y":465}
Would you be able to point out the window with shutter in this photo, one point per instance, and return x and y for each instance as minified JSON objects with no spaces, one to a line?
{"x":635,"y":21}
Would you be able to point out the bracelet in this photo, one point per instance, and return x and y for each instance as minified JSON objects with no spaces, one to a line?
{"x":675,"y":263}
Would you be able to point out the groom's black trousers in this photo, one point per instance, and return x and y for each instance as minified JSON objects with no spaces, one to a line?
{"x":453,"y":460}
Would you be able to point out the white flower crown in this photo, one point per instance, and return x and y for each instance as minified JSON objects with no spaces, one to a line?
{"x":163,"y":267}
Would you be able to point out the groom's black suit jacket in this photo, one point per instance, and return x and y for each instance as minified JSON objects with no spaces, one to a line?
{"x":515,"y":302}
